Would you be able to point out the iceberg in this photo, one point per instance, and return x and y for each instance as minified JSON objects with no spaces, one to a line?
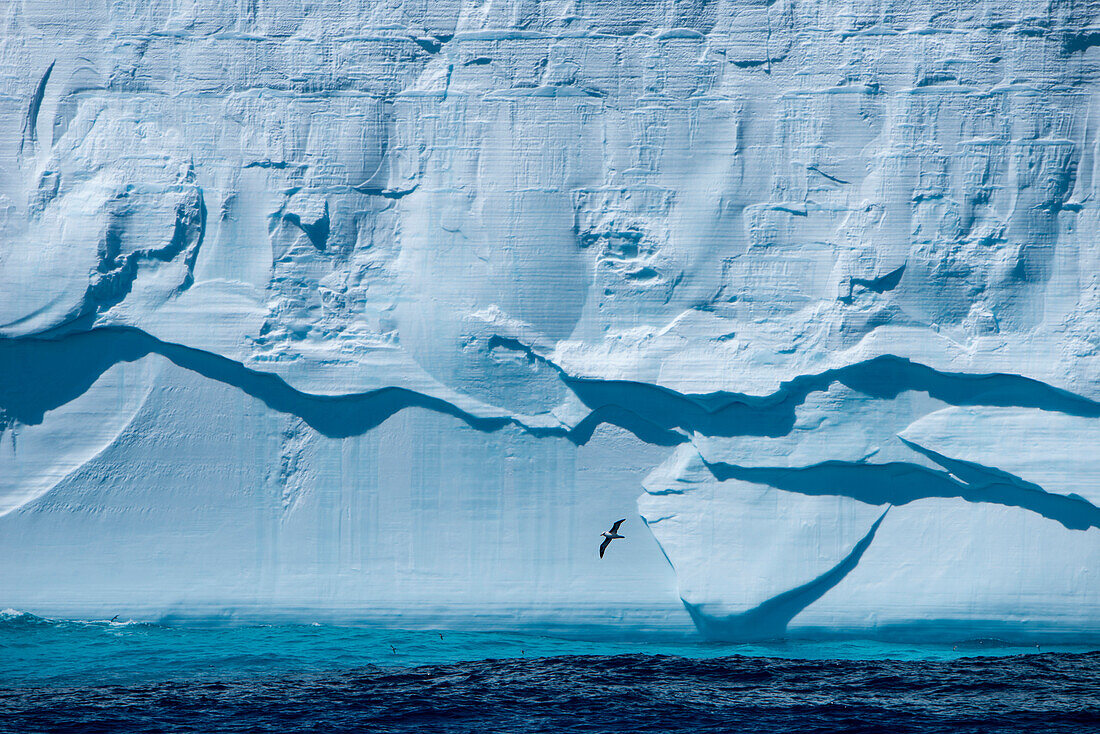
{"x":385,"y":311}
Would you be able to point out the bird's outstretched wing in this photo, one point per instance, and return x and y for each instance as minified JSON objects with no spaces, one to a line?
{"x":603,"y":546}
{"x":615,"y":527}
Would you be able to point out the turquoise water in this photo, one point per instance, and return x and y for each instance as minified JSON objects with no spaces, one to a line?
{"x":36,"y":651}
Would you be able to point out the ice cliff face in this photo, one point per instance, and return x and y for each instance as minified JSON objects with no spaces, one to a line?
{"x":388,"y":309}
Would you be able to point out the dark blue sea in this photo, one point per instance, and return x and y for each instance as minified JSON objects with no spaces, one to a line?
{"x":59,"y":676}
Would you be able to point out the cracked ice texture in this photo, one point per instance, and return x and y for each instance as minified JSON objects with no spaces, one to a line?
{"x":387,"y":284}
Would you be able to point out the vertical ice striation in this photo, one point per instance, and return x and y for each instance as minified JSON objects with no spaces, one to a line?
{"x":386,"y":309}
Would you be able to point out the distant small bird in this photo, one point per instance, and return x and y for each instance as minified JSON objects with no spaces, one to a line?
{"x":441,"y":635}
{"x":610,"y":536}
{"x":394,"y":649}
{"x":114,"y":618}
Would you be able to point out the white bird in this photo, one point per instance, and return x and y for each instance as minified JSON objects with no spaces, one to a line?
{"x":610,"y":536}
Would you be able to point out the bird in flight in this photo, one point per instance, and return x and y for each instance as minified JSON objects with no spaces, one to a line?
{"x":610,"y":536}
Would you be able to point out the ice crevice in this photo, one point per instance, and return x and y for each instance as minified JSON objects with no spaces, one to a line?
{"x":882,"y":284}
{"x":898,"y":483}
{"x":724,"y":413}
{"x":53,"y":372}
{"x":832,"y":178}
{"x":119,"y":268}
{"x":655,"y":414}
{"x":769,"y":619}
{"x":30,"y":128}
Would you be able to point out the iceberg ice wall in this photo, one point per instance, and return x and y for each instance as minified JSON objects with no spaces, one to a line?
{"x":385,"y":310}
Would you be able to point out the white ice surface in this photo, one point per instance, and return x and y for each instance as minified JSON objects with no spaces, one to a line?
{"x":386,"y":310}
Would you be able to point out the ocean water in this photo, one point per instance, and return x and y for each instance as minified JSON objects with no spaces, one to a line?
{"x":101,"y":676}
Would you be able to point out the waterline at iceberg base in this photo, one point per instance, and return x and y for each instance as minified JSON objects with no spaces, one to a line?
{"x":384,"y":312}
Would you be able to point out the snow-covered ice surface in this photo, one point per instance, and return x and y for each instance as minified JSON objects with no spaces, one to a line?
{"x":385,"y":310}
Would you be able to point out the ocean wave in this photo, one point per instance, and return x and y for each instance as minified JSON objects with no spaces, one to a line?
{"x":589,"y":693}
{"x":16,"y":618}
